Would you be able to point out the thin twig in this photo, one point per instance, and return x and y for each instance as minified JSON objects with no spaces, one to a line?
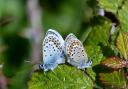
{"x":37,"y":33}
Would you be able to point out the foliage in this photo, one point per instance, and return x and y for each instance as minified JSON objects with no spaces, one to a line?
{"x":63,"y":77}
{"x":114,"y":79}
{"x":122,"y":43}
{"x":114,"y":63}
{"x":108,"y":51}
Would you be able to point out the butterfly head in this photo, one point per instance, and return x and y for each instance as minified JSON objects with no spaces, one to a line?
{"x":41,"y":66}
{"x":47,"y":67}
{"x":44,"y":67}
{"x":88,"y":63}
{"x":85,"y":65}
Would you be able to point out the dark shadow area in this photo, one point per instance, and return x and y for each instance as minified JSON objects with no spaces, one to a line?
{"x":18,"y":48}
{"x":106,"y":50}
{"x":92,"y":3}
{"x":6,"y":20}
{"x":97,"y":20}
{"x":112,"y":17}
{"x":51,"y":5}
{"x":100,"y":69}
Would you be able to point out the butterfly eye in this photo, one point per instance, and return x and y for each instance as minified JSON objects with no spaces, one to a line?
{"x":41,"y":66}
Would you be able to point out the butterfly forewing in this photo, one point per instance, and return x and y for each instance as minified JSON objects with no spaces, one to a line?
{"x":52,"y":50}
{"x":75,"y":52}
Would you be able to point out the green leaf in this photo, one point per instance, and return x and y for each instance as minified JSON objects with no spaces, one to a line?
{"x":113,"y":63}
{"x":95,"y":55}
{"x":119,"y":9}
{"x":63,"y":77}
{"x":110,"y":5}
{"x":100,"y":31}
{"x":114,"y":80}
{"x":123,"y":16}
{"x":122,"y":44}
{"x":99,"y":34}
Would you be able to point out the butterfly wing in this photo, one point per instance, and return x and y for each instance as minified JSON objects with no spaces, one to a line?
{"x":52,"y":50}
{"x":75,"y":52}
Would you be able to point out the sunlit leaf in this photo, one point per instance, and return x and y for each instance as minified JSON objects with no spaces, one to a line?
{"x":99,"y":35}
{"x":95,"y":55}
{"x":123,"y":16}
{"x":119,"y":9}
{"x":63,"y":77}
{"x":122,"y":44}
{"x":100,"y":31}
{"x":114,"y":80}
{"x":110,"y":5}
{"x":114,"y":62}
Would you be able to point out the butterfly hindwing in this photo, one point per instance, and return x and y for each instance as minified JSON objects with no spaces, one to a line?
{"x":52,"y":50}
{"x":75,"y":52}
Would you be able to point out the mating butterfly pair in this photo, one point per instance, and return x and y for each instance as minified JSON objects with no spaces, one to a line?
{"x":55,"y":48}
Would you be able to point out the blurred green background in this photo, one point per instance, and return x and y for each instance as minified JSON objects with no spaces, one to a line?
{"x":23,"y":24}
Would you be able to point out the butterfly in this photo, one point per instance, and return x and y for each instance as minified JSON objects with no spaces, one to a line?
{"x":52,"y":48}
{"x":75,"y":52}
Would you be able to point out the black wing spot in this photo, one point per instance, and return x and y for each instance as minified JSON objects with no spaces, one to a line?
{"x":50,"y":54}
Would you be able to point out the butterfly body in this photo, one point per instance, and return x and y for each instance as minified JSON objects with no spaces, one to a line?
{"x":53,"y":46}
{"x":75,"y":52}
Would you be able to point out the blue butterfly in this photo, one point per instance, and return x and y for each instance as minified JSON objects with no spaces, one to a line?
{"x":52,"y":47}
{"x":75,"y":52}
